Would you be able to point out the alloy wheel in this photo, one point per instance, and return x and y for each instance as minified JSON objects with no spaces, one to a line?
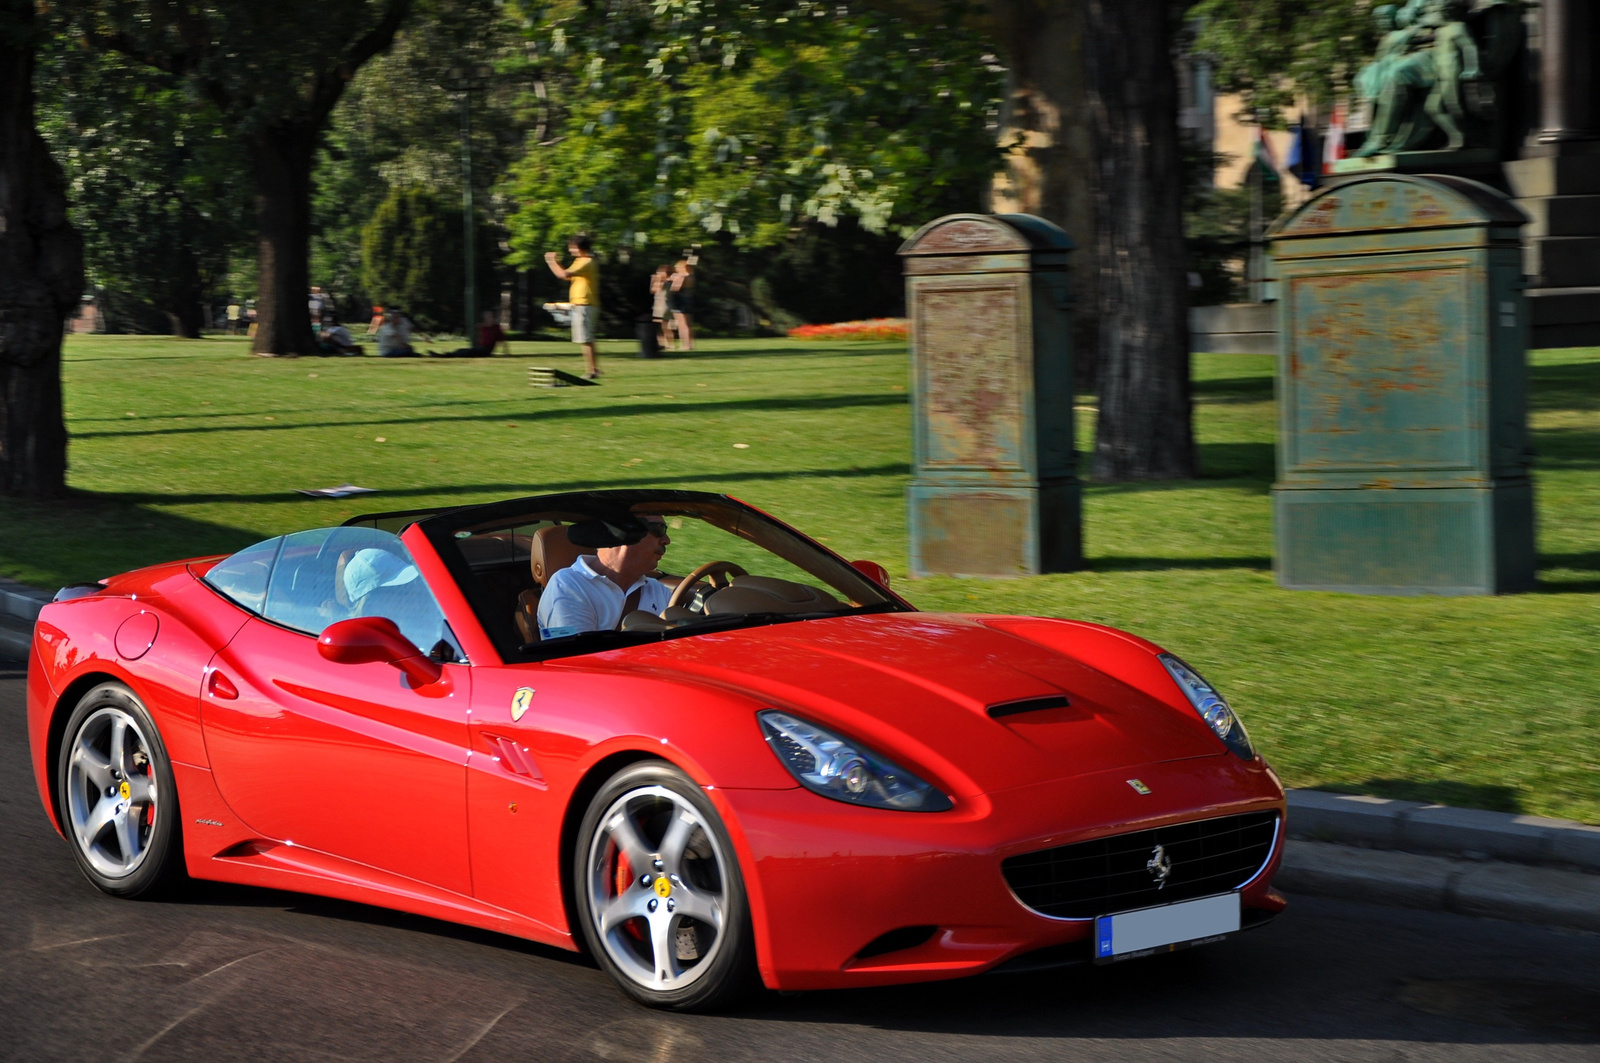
{"x":657,"y":888}
{"x":113,"y":799}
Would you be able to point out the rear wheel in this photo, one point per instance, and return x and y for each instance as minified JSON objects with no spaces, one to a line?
{"x":660,"y":897}
{"x":119,"y":804}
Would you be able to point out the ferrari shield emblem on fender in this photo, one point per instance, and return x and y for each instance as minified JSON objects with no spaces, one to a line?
{"x":1139,"y":788}
{"x":520,"y":702}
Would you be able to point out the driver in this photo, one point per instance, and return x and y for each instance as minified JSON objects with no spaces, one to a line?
{"x":596,"y":591}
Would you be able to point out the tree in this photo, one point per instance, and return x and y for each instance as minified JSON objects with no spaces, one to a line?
{"x":41,"y":275}
{"x":398,"y":127}
{"x":152,"y":176}
{"x":1271,"y":51}
{"x":275,"y":73}
{"x":669,"y":122}
{"x":1094,"y":106}
{"x":412,"y":257}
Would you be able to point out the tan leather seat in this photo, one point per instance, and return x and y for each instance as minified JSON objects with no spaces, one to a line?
{"x":551,"y":552}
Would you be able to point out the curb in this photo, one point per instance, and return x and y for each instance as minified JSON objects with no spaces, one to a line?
{"x":1382,"y":823}
{"x":1545,"y":896}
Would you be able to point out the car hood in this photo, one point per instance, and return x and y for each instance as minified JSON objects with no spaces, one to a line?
{"x":918,"y":688}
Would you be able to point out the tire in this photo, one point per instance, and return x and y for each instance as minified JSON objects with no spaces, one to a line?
{"x":118,"y":799}
{"x":659,"y":894}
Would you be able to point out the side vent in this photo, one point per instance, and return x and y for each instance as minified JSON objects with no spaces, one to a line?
{"x":516,"y":758}
{"x":907,"y":937}
{"x":1012,"y":708}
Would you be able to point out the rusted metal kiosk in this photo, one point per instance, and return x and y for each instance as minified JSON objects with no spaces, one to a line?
{"x":994,"y":490}
{"x":1402,"y":398}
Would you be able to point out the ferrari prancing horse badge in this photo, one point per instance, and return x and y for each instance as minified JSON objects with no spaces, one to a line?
{"x":520,"y":702}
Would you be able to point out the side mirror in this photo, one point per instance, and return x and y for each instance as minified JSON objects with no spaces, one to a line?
{"x":873,"y":571}
{"x":374,"y":639}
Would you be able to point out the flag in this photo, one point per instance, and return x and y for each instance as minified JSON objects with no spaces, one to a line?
{"x":1262,"y":156}
{"x":1333,"y":143}
{"x":1303,"y":160}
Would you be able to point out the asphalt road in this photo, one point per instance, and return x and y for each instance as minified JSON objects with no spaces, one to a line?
{"x":255,"y":975}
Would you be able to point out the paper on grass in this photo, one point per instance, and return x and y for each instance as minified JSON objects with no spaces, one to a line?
{"x":342,"y":491}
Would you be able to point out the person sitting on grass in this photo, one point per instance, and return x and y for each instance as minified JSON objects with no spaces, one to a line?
{"x":336,"y":339}
{"x":490,"y":335}
{"x":394,"y":336}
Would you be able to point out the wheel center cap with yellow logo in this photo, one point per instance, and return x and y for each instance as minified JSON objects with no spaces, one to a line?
{"x":663,"y":887}
{"x":125,"y":790}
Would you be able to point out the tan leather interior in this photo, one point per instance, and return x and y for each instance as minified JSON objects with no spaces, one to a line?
{"x":551,"y":552}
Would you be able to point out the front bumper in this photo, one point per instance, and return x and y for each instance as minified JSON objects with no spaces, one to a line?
{"x":829,"y":878}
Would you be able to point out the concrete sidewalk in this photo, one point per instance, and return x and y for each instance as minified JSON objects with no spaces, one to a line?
{"x":1523,"y":868}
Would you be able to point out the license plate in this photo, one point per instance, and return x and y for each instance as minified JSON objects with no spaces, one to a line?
{"x":1165,"y":928}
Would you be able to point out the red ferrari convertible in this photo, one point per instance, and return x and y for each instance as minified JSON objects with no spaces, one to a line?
{"x":776,"y":772}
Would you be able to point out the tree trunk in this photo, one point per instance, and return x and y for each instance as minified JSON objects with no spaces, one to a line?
{"x":281,"y":156}
{"x":185,"y":307}
{"x":1144,"y":430}
{"x":41,"y":278}
{"x":1050,"y":168}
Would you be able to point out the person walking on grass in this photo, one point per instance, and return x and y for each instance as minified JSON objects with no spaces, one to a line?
{"x":583,"y":293}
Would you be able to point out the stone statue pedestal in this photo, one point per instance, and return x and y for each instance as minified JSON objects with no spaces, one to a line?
{"x":994,"y":490}
{"x":1403,"y":460}
{"x":1479,"y":164}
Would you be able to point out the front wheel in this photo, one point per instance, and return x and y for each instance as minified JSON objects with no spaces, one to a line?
{"x":119,"y":804}
{"x":659,"y":893}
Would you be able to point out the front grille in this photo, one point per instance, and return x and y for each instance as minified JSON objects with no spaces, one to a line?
{"x":1112,"y":874}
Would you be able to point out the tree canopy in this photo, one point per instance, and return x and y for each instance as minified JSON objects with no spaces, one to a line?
{"x":152,"y":174}
{"x":669,"y":122}
{"x":1269,"y":51}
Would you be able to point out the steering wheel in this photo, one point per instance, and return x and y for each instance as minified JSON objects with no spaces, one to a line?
{"x":710,"y":570}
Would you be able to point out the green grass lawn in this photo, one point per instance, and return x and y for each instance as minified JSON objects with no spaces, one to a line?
{"x":183,"y":448}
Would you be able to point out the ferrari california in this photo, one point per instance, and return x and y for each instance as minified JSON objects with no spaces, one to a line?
{"x":768,"y":768}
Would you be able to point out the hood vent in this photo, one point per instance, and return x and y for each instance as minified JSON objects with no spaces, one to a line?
{"x":1012,"y":708}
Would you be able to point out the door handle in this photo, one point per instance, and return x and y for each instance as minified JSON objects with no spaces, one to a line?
{"x":221,"y":687}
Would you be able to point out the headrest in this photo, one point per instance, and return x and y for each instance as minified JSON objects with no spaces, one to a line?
{"x":552,"y":551}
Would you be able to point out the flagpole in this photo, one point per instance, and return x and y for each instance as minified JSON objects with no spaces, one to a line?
{"x":1257,"y":267}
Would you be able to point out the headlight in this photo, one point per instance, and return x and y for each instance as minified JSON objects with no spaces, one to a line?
{"x":1211,"y":707}
{"x":836,"y":768}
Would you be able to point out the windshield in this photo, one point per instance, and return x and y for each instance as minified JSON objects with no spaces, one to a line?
{"x":578,"y":573}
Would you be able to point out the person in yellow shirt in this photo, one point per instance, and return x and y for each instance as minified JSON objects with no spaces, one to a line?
{"x":583,"y":275}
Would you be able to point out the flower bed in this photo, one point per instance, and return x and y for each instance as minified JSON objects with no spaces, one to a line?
{"x":881,"y":328}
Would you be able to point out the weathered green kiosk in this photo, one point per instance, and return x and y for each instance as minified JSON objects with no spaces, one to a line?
{"x":994,"y":490}
{"x":1402,"y":400}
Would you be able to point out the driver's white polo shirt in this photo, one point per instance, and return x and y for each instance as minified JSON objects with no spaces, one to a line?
{"x":580,"y":599}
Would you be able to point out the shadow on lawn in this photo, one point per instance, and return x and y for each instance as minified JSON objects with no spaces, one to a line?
{"x":1435,"y":791}
{"x":87,"y":536}
{"x":1575,"y":386}
{"x":1587,"y":562}
{"x":1117,"y":563}
{"x":776,"y":404}
{"x":512,"y":490}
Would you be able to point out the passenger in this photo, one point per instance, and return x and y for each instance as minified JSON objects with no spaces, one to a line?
{"x":596,"y":591}
{"x":372,"y":568}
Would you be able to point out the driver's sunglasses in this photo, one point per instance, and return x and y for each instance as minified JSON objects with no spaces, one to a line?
{"x":658,"y":528}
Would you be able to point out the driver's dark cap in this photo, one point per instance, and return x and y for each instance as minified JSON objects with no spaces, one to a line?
{"x":600,"y":533}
